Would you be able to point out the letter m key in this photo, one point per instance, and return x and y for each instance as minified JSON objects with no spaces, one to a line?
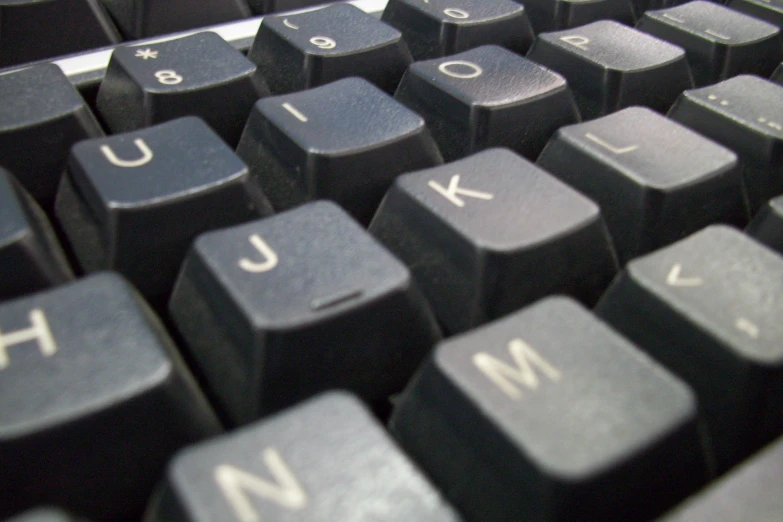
{"x":523,"y":372}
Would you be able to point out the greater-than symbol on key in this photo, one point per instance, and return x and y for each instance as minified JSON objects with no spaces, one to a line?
{"x":289,"y":24}
{"x":608,"y":146}
{"x":744,"y":325}
{"x":454,"y":190}
{"x":674,"y":279}
{"x":146,"y":54}
{"x":293,"y":110}
{"x":270,"y":257}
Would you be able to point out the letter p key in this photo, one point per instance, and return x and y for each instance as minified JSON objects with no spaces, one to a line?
{"x":39,"y":331}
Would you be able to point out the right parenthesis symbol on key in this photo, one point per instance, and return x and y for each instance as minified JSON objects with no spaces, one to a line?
{"x":146,"y":155}
{"x":289,"y":24}
{"x":270,"y":257}
{"x":608,"y":146}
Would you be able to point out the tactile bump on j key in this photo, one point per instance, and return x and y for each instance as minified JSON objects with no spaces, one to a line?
{"x":324,"y":460}
{"x":490,"y":233}
{"x":93,"y":400}
{"x":279,"y":309}
{"x":548,"y":414}
{"x":708,"y":307}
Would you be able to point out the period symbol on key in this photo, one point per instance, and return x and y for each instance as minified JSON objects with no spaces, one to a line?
{"x":454,"y":189}
{"x":674,"y":279}
{"x":146,"y":54}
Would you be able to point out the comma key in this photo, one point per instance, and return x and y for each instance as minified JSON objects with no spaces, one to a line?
{"x":324,"y":460}
{"x":299,"y":51}
{"x":346,"y":141}
{"x":277,"y":310}
{"x":153,"y":83}
{"x":549,"y":399}
{"x":708,"y":307}
{"x":490,"y":233}
{"x":134,"y":202}
{"x":93,"y":400}
{"x":30,"y":256}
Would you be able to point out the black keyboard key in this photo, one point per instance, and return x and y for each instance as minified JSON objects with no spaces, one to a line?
{"x":656,"y":181}
{"x":93,"y":400}
{"x":30,"y":257}
{"x":610,"y":66}
{"x":488,"y":97}
{"x":280,"y":309}
{"x":276,"y":6}
{"x":749,"y":492}
{"x":767,"y":225}
{"x":547,"y":414}
{"x":345,"y":141}
{"x":745,"y":114}
{"x":295,"y":52}
{"x":134,"y":202}
{"x":488,"y":234}
{"x":141,"y":18}
{"x":553,"y":15}
{"x":768,"y":10}
{"x":44,"y":515}
{"x":33,"y":29}
{"x":41,"y":116}
{"x":441,"y":28}
{"x":708,"y":307}
{"x":719,"y":42}
{"x":325,"y":460}
{"x":159,"y":82}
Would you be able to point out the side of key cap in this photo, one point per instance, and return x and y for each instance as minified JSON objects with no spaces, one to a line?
{"x":93,"y":400}
{"x":708,"y":307}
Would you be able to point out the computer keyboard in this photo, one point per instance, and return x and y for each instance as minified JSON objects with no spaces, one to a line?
{"x":391,"y":260}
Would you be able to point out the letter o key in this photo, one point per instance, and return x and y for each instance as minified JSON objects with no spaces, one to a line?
{"x":447,"y":68}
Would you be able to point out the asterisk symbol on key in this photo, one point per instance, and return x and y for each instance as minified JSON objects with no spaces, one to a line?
{"x":146,"y":54}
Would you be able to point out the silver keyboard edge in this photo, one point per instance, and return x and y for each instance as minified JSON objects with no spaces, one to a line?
{"x":92,"y":61}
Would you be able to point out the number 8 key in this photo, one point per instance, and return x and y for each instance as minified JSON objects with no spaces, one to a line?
{"x":151,"y":84}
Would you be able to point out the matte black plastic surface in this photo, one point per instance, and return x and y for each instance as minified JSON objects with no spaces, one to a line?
{"x":280,"y":309}
{"x":296,"y":52}
{"x":93,"y":400}
{"x":198,"y":75}
{"x":709,"y":308}
{"x":490,"y":233}
{"x":488,"y":97}
{"x":655,"y":181}
{"x":547,"y":414}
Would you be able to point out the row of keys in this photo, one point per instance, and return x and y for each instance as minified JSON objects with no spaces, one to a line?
{"x":627,"y":440}
{"x":32,"y":30}
{"x":296,"y":150}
